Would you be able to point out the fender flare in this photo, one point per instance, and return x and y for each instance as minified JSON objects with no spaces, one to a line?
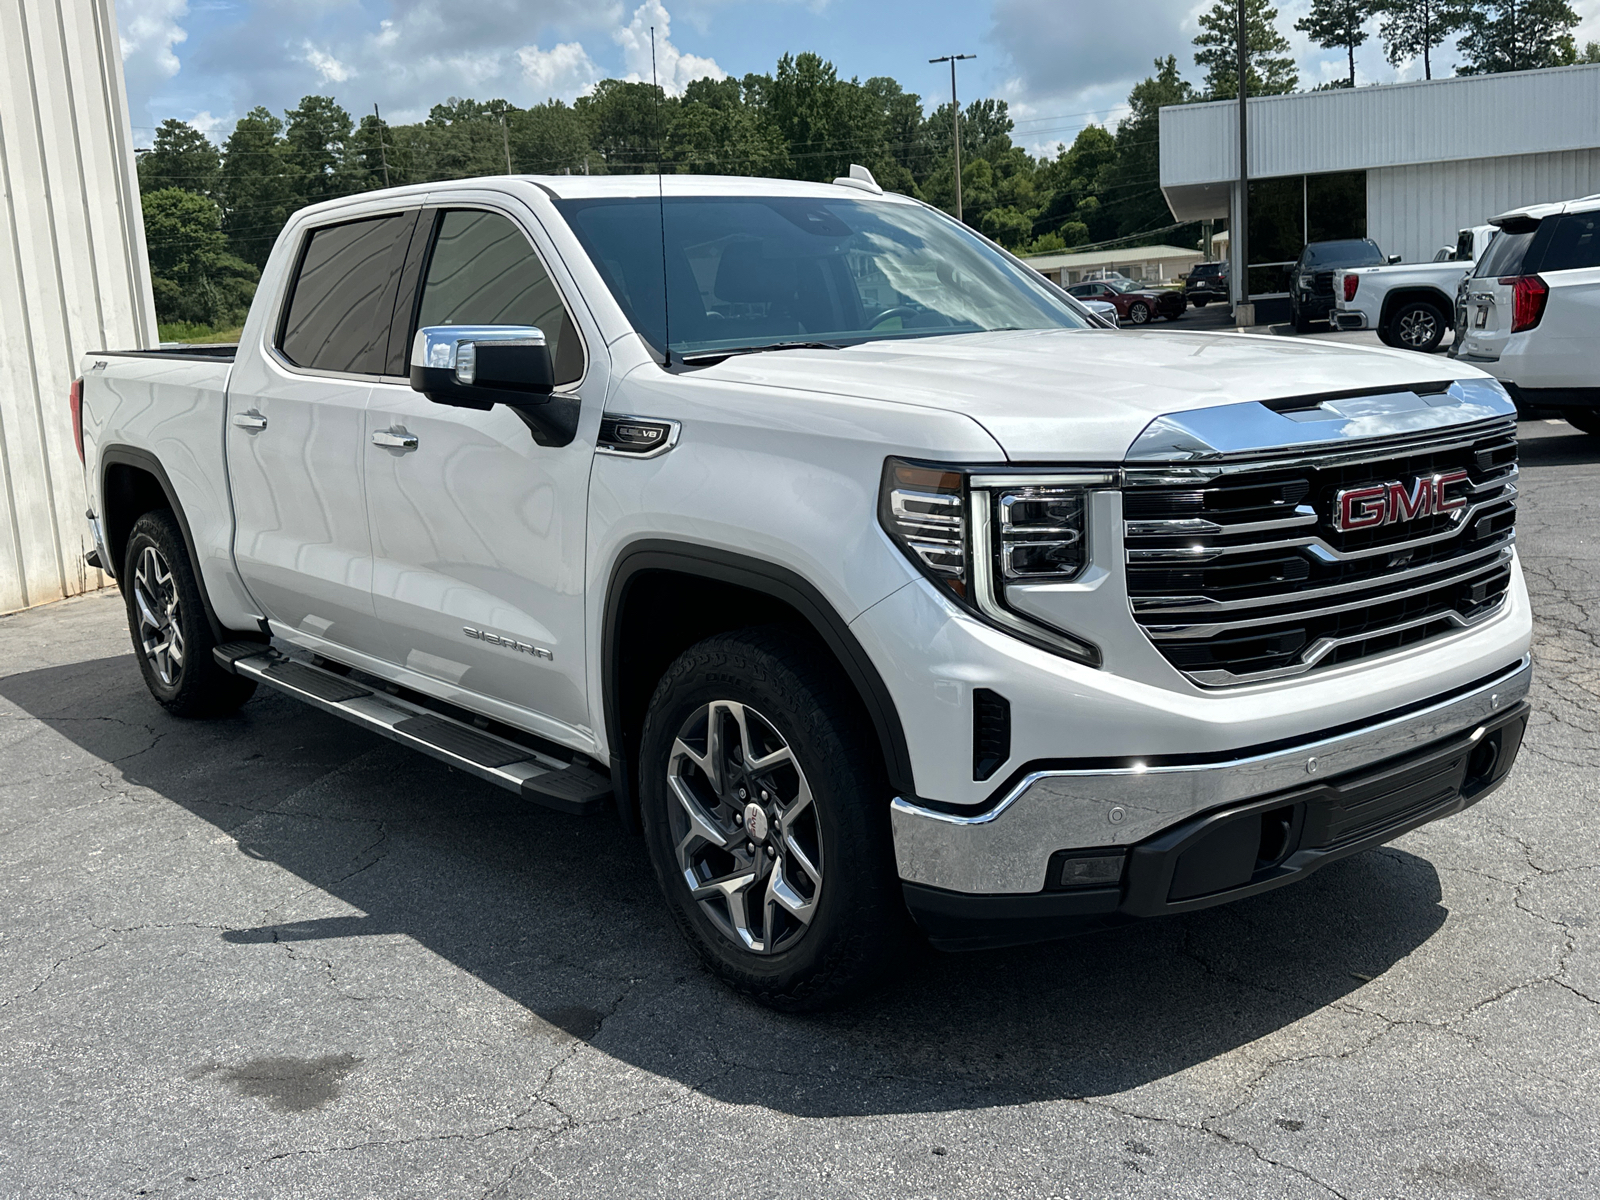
{"x":143,"y":460}
{"x":770,"y":579}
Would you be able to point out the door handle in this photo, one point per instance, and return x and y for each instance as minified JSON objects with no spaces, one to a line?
{"x":252,"y":420}
{"x":395,"y":439}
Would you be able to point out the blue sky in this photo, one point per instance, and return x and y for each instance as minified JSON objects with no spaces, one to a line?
{"x":1059,"y":63}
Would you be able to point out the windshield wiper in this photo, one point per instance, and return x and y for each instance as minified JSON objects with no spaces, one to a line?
{"x":710,"y":356}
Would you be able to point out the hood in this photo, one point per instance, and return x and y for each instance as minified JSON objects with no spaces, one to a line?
{"x":1084,"y":395}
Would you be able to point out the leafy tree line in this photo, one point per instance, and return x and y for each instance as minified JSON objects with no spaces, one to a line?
{"x":212,"y":214}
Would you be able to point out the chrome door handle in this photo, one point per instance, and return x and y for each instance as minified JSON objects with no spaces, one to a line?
{"x":251,"y":420}
{"x":392,"y":439}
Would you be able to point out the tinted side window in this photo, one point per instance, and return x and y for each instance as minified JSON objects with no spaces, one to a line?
{"x":484,"y":272}
{"x":343,"y":297}
{"x":1575,"y":244}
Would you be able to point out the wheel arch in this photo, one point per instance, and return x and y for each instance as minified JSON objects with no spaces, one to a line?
{"x":1431,"y":295}
{"x":640,"y":639}
{"x":132,"y":483}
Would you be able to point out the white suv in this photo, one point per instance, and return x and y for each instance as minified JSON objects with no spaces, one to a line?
{"x":1533,"y":309}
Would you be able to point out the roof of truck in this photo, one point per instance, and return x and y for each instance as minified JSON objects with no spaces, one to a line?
{"x":1538,"y":212}
{"x":592,"y":187}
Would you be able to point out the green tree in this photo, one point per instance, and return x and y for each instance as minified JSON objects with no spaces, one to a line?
{"x":1132,"y":193}
{"x":1269,"y":70}
{"x":253,"y":187}
{"x":1413,"y":29}
{"x":548,"y":139}
{"x":181,"y":157}
{"x":194,"y":277}
{"x":314,"y":136}
{"x":1589,"y":54}
{"x":1338,"y":25}
{"x":627,"y":124}
{"x":1514,"y":35}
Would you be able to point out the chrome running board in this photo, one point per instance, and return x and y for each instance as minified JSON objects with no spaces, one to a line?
{"x":541,"y":778}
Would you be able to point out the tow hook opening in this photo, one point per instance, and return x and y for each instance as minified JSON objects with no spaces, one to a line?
{"x":1483,"y":763}
{"x":1277,"y":830}
{"x":1237,"y":852}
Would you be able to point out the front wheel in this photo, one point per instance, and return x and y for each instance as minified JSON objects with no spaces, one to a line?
{"x":1586,"y":419}
{"x":1139,"y":313}
{"x":171,"y":637}
{"x":766,"y":816}
{"x":1416,"y":325}
{"x":1199,"y":302}
{"x":1302,"y":323}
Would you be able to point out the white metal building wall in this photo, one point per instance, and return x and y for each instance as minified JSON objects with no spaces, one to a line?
{"x":73,"y":273}
{"x":1414,"y":210}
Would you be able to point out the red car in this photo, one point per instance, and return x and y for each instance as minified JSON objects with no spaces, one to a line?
{"x":1135,"y":305}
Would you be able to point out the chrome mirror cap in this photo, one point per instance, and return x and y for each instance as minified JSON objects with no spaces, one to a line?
{"x":455,"y":347}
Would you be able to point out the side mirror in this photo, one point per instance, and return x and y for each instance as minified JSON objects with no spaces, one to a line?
{"x":479,"y":366}
{"x":1394,"y":258}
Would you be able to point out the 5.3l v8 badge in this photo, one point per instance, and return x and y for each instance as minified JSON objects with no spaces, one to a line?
{"x":1386,"y":503}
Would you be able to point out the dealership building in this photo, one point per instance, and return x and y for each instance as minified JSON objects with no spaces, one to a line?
{"x":1405,"y":164}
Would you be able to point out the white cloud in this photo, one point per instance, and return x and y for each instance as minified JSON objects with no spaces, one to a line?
{"x":673,"y":69}
{"x":149,"y":30}
{"x":563,"y":71}
{"x":328,"y":68}
{"x":215,"y":128}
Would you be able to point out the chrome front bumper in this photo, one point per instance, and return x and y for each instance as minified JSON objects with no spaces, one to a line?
{"x":1006,"y":847}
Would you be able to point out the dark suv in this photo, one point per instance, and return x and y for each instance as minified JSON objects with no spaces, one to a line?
{"x":1207,"y":282}
{"x":1311,"y":277}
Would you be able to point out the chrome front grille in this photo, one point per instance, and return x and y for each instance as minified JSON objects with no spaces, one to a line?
{"x":1237,"y":573}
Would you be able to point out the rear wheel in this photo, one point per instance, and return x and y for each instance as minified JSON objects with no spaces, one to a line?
{"x":1199,"y":302}
{"x":1139,"y":312}
{"x":1416,"y":325}
{"x":767,"y":820}
{"x":171,"y":637}
{"x":1586,"y":419}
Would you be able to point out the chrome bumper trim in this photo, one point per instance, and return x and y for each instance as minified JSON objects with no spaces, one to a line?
{"x":1007,"y":848}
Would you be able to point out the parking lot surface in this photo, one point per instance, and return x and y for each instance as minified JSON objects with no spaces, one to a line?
{"x":272,"y":956}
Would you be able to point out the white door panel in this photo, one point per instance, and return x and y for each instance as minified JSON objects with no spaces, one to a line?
{"x":477,"y":527}
{"x":1569,"y":334}
{"x":301,"y":540}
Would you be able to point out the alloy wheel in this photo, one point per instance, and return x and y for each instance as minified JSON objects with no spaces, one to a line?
{"x":155,"y":596}
{"x":1139,"y":314}
{"x":744,"y":827}
{"x":1418,"y":328}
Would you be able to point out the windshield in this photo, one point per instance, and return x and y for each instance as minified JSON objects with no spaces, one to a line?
{"x":1353,"y":253}
{"x":1208,"y":269}
{"x":746,"y":271}
{"x":1123,"y":285}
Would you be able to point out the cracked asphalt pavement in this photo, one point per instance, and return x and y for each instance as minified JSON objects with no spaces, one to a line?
{"x":273,"y":956}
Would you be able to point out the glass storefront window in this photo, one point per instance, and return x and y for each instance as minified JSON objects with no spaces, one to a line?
{"x":1288,"y":212}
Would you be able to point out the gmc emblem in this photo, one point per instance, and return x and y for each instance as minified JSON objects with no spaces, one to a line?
{"x":1385,"y":503}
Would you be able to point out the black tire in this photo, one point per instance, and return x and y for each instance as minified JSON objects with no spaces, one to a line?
{"x":1199,"y":302}
{"x":1586,"y":419}
{"x":1415,"y":325}
{"x":1139,"y":312}
{"x":1302,"y":323}
{"x":787,"y":695}
{"x":171,"y":637}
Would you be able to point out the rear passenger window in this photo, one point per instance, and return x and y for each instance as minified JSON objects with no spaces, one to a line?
{"x":484,"y":272}
{"x":343,"y":298}
{"x":1575,"y":243}
{"x":1504,"y":256}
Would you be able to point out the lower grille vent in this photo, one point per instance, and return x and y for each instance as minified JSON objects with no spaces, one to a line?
{"x":991,"y":732}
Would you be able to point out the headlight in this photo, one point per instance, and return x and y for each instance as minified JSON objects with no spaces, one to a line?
{"x":979,"y":532}
{"x":1308,"y":281}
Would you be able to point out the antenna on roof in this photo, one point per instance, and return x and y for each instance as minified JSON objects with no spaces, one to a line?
{"x":661,"y":209}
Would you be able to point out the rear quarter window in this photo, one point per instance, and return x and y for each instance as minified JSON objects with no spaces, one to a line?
{"x":1574,"y":243}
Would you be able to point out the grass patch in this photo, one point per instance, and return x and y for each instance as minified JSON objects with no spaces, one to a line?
{"x":197,"y":335}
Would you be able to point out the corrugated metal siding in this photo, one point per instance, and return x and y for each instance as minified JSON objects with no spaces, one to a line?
{"x":73,"y":273}
{"x":1414,"y":210}
{"x":1480,"y":116}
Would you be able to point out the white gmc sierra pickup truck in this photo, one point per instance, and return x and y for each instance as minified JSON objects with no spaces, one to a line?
{"x":874,"y":583}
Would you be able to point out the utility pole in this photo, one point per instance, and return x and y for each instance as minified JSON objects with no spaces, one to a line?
{"x":955,"y":118}
{"x":505,"y":140}
{"x":1244,"y":312}
{"x":382,"y":152}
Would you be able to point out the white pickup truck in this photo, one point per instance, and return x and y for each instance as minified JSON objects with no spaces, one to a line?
{"x":870,"y":580}
{"x":1409,"y":304}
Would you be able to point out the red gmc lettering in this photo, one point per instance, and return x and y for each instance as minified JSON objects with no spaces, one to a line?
{"x":1362,"y":508}
{"x":1405,"y":506}
{"x":1440,"y":482}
